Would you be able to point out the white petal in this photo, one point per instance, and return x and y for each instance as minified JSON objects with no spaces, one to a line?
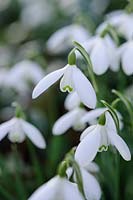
{"x":16,"y":133}
{"x":89,"y":44}
{"x":112,"y":53}
{"x":71,"y":191}
{"x":66,"y":83}
{"x":47,"y":81}
{"x":121,"y":146}
{"x":47,"y":190}
{"x":93,"y":114}
{"x":72,"y":100}
{"x":33,"y":134}
{"x":84,"y":88}
{"x":127,"y":60}
{"x":100,"y":58}
{"x":92,"y":167}
{"x":87,"y":131}
{"x":5,"y":128}
{"x":65,"y":122}
{"x":110,"y":124}
{"x":88,"y":147}
{"x":91,"y":186}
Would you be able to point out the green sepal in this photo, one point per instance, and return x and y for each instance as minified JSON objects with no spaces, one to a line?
{"x":62,"y":169}
{"x":18,"y":111}
{"x":102,"y":119}
{"x":72,"y":57}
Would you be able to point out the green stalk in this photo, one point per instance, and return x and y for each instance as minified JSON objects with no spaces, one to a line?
{"x":84,"y":53}
{"x":19,"y":183}
{"x":117,"y":177}
{"x":35,"y":163}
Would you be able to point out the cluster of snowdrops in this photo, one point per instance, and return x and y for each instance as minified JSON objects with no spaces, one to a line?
{"x":75,"y":178}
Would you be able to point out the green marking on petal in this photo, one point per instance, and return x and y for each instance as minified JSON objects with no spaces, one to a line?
{"x":67,"y":88}
{"x":103,"y":148}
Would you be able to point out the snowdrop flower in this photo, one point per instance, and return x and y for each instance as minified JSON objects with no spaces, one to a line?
{"x":17,"y":129}
{"x":57,"y":187}
{"x":72,"y":101}
{"x":62,"y":39}
{"x":123,"y":22}
{"x":91,"y":186}
{"x":125,"y":52}
{"x":103,"y":54}
{"x":32,"y":20}
{"x":71,"y":75}
{"x":23,"y":73}
{"x":97,"y":138}
{"x":92,"y":115}
{"x":92,"y":167}
{"x":68,"y":120}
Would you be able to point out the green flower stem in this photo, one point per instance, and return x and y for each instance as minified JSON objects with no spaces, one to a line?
{"x":35,"y":163}
{"x":113,"y":113}
{"x":84,"y":53}
{"x":72,"y":163}
{"x":117,"y":176}
{"x":19,"y":183}
{"x":109,"y":29}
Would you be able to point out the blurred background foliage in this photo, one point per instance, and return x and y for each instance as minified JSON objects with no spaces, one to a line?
{"x":25,"y":26}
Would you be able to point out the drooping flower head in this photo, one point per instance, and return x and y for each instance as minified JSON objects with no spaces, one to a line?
{"x":72,"y":80}
{"x":97,"y":138}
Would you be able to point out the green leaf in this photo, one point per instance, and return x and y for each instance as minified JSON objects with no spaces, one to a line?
{"x":72,"y":57}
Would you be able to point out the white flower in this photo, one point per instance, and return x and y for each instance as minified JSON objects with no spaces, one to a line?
{"x":73,"y":80}
{"x":125,"y":52}
{"x":103,"y":54}
{"x":21,"y":76}
{"x":91,"y":186}
{"x":97,"y":138}
{"x":68,"y":120}
{"x":72,"y":101}
{"x":23,"y":73}
{"x":92,"y":115}
{"x":57,"y":188}
{"x":32,"y":20}
{"x":62,"y":39}
{"x":92,"y":167}
{"x":123,"y":22}
{"x":17,"y":129}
